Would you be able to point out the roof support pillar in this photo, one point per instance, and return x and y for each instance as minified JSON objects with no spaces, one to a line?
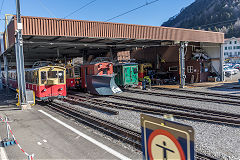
{"x":222,"y":78}
{"x":5,"y":60}
{"x":20,"y":59}
{"x":182,"y":63}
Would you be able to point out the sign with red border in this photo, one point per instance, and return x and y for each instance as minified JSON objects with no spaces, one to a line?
{"x":166,"y":140}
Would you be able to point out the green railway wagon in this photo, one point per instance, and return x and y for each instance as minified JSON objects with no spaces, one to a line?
{"x":126,"y":74}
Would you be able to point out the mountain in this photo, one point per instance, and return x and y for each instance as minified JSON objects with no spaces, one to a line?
{"x":213,"y":15}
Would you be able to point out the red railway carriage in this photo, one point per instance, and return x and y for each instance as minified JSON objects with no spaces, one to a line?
{"x":95,"y":78}
{"x":98,"y":78}
{"x":99,"y":69}
{"x":47,"y":82}
{"x":73,"y":77}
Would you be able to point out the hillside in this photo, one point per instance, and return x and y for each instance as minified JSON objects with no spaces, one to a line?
{"x":213,"y":15}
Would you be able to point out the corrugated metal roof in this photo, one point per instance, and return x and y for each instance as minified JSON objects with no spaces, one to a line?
{"x":40,"y":26}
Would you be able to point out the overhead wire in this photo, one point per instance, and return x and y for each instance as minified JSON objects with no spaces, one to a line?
{"x":79,"y":9}
{"x":48,"y":10}
{"x":146,"y":4}
{"x":1,"y":6}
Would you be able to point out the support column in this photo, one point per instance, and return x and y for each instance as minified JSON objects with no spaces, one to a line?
{"x":5,"y":61}
{"x":84,"y":55}
{"x":20,"y":58}
{"x":182,"y":63}
{"x":1,"y":87}
{"x":222,"y":77}
{"x":111,"y":54}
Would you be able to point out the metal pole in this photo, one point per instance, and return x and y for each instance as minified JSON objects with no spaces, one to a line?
{"x":1,"y":87}
{"x":6,"y":121}
{"x":222,"y":77}
{"x":5,"y":61}
{"x":182,"y":64}
{"x":20,"y":57}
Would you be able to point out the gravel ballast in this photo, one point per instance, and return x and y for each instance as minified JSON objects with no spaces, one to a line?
{"x":215,"y":140}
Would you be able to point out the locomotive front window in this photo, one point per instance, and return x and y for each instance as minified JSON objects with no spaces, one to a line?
{"x":52,"y":74}
{"x":43,"y":77}
{"x":60,"y":76}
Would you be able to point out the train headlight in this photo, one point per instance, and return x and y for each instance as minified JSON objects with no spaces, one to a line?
{"x":45,"y":90}
{"x":61,"y":89}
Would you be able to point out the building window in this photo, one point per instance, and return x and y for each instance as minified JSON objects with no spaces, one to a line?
{"x":238,"y":47}
{"x":235,"y":42}
{"x":229,"y":48}
{"x":225,"y":53}
{"x":225,"y":48}
{"x":173,"y":68}
{"x":234,"y":47}
{"x":230,"y":42}
{"x":239,"y":53}
{"x":230,"y":54}
{"x":190,"y":69}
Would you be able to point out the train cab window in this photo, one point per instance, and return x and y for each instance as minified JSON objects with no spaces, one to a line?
{"x":52,"y":74}
{"x":31,"y":77}
{"x":69,"y":72}
{"x":60,"y":76}
{"x":35,"y":77}
{"x":43,"y":77}
{"x":26,"y":76}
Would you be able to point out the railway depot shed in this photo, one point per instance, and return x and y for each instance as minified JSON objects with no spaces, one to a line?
{"x":61,"y":39}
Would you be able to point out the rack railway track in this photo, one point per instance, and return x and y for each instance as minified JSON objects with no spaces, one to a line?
{"x":185,"y":97}
{"x":126,"y":135}
{"x":118,"y":132}
{"x":234,"y":97}
{"x":89,"y":104}
{"x":178,"y":111}
{"x":191,"y":113}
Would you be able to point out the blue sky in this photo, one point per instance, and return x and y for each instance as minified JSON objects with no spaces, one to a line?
{"x":101,"y":10}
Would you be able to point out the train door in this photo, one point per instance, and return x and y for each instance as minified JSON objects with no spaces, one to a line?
{"x":134,"y":75}
{"x":127,"y":74}
{"x":85,"y":75}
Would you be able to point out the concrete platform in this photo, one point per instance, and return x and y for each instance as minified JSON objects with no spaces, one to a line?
{"x":42,"y":136}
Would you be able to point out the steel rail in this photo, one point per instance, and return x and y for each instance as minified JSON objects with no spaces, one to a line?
{"x":124,"y":134}
{"x":183,"y":112}
{"x":207,"y":115}
{"x":87,"y":102}
{"x":200,"y":156}
{"x":234,"y":97}
{"x":121,"y":133}
{"x":219,"y":101}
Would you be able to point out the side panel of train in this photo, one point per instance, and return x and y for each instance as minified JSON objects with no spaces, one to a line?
{"x":126,"y":74}
{"x":47,"y":82}
{"x":99,"y":69}
{"x":73,"y":77}
{"x":97,"y":78}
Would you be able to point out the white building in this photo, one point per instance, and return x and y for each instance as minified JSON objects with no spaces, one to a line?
{"x":232,"y":49}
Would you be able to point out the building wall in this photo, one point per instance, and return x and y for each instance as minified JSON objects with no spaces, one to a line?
{"x":156,"y":55}
{"x":214,"y":53}
{"x":123,"y":56}
{"x":232,"y":48}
